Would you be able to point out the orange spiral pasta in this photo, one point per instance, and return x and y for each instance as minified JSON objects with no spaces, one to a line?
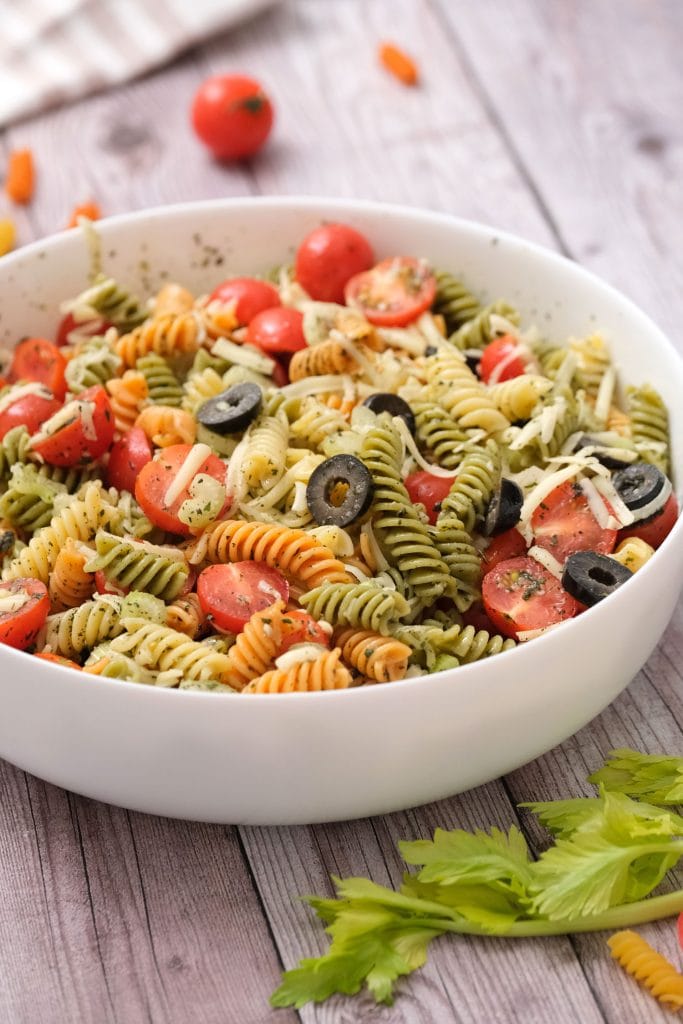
{"x":648,"y":967}
{"x":325,"y":673}
{"x":186,"y":615}
{"x":166,"y":425}
{"x":127,"y":393}
{"x":292,"y":552}
{"x":334,"y":400}
{"x":172,"y":299}
{"x":328,"y":357}
{"x":165,"y":335}
{"x":256,"y":647}
{"x":219,"y":320}
{"x":69,"y":584}
{"x":380,"y":658}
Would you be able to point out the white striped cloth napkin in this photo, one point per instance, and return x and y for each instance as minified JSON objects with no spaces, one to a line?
{"x":53,"y":51}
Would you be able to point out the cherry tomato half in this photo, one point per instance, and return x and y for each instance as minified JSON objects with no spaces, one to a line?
{"x":39,"y":359}
{"x":521,"y":594}
{"x":655,"y":529}
{"x":430,"y":490}
{"x":564,"y":523}
{"x":232,"y":115}
{"x":231,"y":593}
{"x":328,"y":257}
{"x":126,"y":459}
{"x":157,"y":476}
{"x":393,"y":293}
{"x":298,"y":627}
{"x":103,"y":585}
{"x":30,"y":411}
{"x":502,"y":356}
{"x":249,"y":295}
{"x":509,"y":544}
{"x":24,"y":606}
{"x":87,"y":328}
{"x":277,"y":330}
{"x":86,"y":435}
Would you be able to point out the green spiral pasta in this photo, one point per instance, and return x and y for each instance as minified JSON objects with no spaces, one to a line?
{"x":454,"y":301}
{"x":593,"y":361}
{"x":649,"y":425}
{"x":112,"y":302}
{"x":158,"y":647}
{"x":80,"y":520}
{"x":29,"y":499}
{"x":403,"y":536}
{"x":365,"y":605}
{"x":136,"y":565}
{"x":478,"y":476}
{"x":478,"y":332}
{"x":162,"y":383}
{"x":96,"y":363}
{"x":439,"y":433}
{"x":464,"y":643}
{"x":14,"y":447}
{"x":82,"y":628}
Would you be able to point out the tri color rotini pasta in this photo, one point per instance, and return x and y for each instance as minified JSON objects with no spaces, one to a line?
{"x":290,"y":485}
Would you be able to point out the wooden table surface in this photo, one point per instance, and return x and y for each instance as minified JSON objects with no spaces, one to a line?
{"x":560,"y":121}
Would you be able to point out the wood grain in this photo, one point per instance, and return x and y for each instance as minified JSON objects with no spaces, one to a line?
{"x":560,"y":122}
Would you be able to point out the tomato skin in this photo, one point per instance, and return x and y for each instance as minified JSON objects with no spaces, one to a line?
{"x":88,"y":327}
{"x":393,"y":293}
{"x":70,"y":446}
{"x":563,"y":523}
{"x":277,"y":330}
{"x":57,"y":659}
{"x":430,"y":490}
{"x":232,"y":115}
{"x":249,"y":295}
{"x":39,"y":359}
{"x":655,"y":529}
{"x":477,"y":617}
{"x":298,"y":627}
{"x":126,"y":459}
{"x":328,"y":257}
{"x":19,"y":629}
{"x":509,"y":544}
{"x":280,"y":374}
{"x":231,"y":593}
{"x":494,"y":353}
{"x":103,"y":586}
{"x":30,"y":411}
{"x":156,"y":477}
{"x":521,"y":594}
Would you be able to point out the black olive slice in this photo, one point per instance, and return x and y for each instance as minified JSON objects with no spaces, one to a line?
{"x":473,"y":361}
{"x":603,"y":453}
{"x":643,"y":488}
{"x":233,"y":409}
{"x":590,"y":577}
{"x":504,"y":508}
{"x":384,"y":401}
{"x":431,"y":350}
{"x":339,"y":490}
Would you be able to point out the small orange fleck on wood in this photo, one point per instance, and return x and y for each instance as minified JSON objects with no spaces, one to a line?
{"x":20,"y":180}
{"x":398,"y":63}
{"x":91,"y":210}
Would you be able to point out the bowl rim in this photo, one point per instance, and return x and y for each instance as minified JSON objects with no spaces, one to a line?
{"x":349,"y":206}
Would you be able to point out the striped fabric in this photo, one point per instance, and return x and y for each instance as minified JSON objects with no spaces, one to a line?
{"x":53,"y":51}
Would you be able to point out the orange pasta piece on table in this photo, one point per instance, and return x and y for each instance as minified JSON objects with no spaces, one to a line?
{"x":89,"y":210}
{"x":398,"y":63}
{"x":325,"y":673}
{"x":20,"y":180}
{"x":648,"y":967}
{"x":8,"y":236}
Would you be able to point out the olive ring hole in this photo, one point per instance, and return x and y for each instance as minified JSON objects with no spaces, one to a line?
{"x":599,"y":575}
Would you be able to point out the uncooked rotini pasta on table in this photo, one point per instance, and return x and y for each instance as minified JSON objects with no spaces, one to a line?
{"x":341,"y":474}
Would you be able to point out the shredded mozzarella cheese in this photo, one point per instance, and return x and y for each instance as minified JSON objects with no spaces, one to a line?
{"x":244,"y":355}
{"x":547,"y":560}
{"x":14,"y":394}
{"x":197,"y":455}
{"x":298,"y":654}
{"x":595,"y":502}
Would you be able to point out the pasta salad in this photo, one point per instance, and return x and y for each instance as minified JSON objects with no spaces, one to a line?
{"x":344,"y":473}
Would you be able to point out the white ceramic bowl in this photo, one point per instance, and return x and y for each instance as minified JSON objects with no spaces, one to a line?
{"x":316,"y":757}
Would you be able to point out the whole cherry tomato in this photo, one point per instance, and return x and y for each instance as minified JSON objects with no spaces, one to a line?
{"x":232,"y":115}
